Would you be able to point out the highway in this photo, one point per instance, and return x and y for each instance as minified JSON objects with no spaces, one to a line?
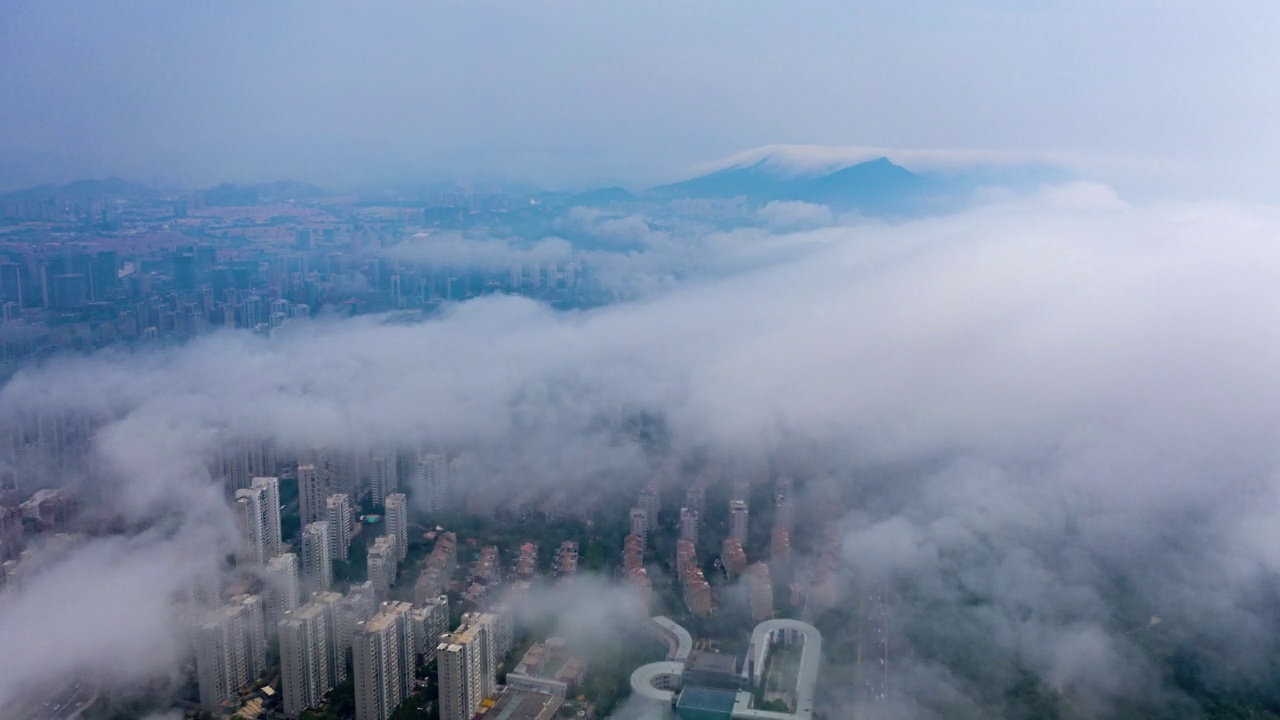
{"x":66,"y":703}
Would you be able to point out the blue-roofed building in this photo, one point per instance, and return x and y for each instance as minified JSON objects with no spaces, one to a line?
{"x":704,"y":703}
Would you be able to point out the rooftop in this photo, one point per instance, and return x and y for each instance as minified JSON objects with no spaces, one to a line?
{"x":516,"y":704}
{"x":693,"y":697}
{"x":712,"y":662}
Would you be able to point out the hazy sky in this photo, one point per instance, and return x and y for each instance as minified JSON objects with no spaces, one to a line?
{"x":1179,"y":95}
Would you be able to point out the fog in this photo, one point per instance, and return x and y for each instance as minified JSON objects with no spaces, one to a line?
{"x":1170,"y":94}
{"x":1041,"y":424}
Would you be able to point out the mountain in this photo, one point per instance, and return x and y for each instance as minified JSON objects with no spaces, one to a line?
{"x":110,"y":187}
{"x":873,"y":187}
{"x":856,"y":179}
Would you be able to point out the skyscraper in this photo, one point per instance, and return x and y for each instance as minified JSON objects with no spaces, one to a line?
{"x":283,"y":587}
{"x":382,"y":565}
{"x":760,"y":592}
{"x":383,"y":661}
{"x":640,"y":524}
{"x":738,"y":520}
{"x":431,"y":481}
{"x":311,"y":496}
{"x":397,"y":507}
{"x":386,"y":476}
{"x":339,"y":632}
{"x":431,"y":620}
{"x":230,"y":650}
{"x":689,"y":525}
{"x":466,"y":668}
{"x":305,"y":658}
{"x":317,"y":565}
{"x":329,"y":473}
{"x":339,"y":514}
{"x":258,"y":510}
{"x":649,"y":501}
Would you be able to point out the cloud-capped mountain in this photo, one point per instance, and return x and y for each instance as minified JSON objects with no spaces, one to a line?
{"x":858,"y":179}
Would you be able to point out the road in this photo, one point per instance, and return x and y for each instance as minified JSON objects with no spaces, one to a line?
{"x":65,"y":703}
{"x":874,"y":655}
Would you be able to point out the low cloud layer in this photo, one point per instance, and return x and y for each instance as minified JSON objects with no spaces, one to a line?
{"x":1084,"y":393}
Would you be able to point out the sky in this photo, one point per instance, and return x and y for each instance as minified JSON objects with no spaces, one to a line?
{"x":1166,"y":97}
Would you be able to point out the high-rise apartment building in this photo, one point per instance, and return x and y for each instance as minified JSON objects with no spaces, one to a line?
{"x":640,"y":524}
{"x":231,"y":650}
{"x":383,"y":660}
{"x":689,"y":525}
{"x":311,"y":494}
{"x":385,"y":479}
{"x":283,"y":587}
{"x":329,"y":473}
{"x":317,"y":564}
{"x":397,"y":518}
{"x":341,"y":519}
{"x":738,"y":520}
{"x":759,"y":592}
{"x":431,"y":620}
{"x":240,"y":460}
{"x":258,"y":512}
{"x":382,"y":565}
{"x":305,"y":657}
{"x":339,"y":632}
{"x":466,"y":665}
{"x":431,"y":481}
{"x":649,"y":502}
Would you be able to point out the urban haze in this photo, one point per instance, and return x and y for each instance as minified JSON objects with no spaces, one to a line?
{"x":639,"y":361}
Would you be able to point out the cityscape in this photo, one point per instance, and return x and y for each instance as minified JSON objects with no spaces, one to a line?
{"x":639,"y":361}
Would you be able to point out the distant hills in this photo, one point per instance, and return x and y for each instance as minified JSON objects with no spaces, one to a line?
{"x":111,"y":187}
{"x":875,"y":186}
{"x":114,"y":187}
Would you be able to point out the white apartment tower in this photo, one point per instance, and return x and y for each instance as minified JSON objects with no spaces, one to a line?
{"x":305,"y":657}
{"x":339,"y":633}
{"x":466,"y":669}
{"x":382,"y":565}
{"x":231,"y":650}
{"x":397,"y":515}
{"x":431,"y":620}
{"x":283,"y":587}
{"x":311,"y":494}
{"x":640,"y":524}
{"x":258,"y":512}
{"x":386,"y":476}
{"x":317,"y":564}
{"x":339,"y":514}
{"x":383,"y":661}
{"x":431,"y":481}
{"x":330,"y":473}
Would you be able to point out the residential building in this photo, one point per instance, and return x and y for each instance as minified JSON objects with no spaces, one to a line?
{"x":306,"y":651}
{"x":382,"y":565}
{"x":283,"y":589}
{"x":397,"y":519}
{"x":258,"y":512}
{"x":466,"y":666}
{"x":383,"y":661}
{"x":341,"y":519}
{"x":317,"y":564}
{"x":738,"y":520}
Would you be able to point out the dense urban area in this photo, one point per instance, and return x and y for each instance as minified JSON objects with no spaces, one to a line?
{"x":368,"y":584}
{"x":349,"y":597}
